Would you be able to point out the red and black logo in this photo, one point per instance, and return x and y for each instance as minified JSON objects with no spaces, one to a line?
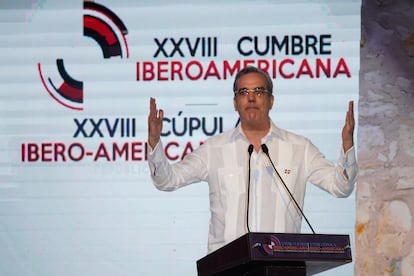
{"x":108,"y":30}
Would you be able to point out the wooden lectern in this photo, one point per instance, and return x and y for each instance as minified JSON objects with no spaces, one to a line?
{"x":276,"y":254}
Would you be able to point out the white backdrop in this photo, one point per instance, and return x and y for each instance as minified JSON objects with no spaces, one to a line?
{"x":69,"y":205}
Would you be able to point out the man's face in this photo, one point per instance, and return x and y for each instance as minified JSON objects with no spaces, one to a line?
{"x":252,"y":108}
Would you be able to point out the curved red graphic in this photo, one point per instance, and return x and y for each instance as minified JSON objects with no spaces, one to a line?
{"x":69,"y":93}
{"x":102,"y":32}
{"x":108,"y":30}
{"x":268,"y":248}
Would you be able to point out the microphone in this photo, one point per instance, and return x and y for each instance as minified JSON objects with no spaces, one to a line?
{"x":250,"y":151}
{"x":266,"y":151}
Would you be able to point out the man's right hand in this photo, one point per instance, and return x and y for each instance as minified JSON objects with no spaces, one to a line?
{"x":154,"y":123}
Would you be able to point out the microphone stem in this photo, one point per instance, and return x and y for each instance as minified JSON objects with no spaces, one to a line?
{"x":248,"y":200}
{"x":250,"y":151}
{"x":290,"y":194}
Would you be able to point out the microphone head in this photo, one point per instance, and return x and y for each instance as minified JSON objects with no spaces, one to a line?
{"x":250,"y":149}
{"x":265,"y":149}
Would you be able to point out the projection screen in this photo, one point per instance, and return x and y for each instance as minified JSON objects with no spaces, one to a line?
{"x":76,"y":77}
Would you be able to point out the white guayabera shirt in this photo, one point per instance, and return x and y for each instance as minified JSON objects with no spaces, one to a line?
{"x":222,"y":161}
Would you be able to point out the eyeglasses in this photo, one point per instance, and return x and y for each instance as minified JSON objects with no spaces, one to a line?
{"x":258,"y":91}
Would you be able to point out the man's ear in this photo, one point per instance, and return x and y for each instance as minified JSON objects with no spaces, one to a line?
{"x":272,"y":99}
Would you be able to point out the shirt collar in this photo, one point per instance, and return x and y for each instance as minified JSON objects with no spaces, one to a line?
{"x":274,"y":132}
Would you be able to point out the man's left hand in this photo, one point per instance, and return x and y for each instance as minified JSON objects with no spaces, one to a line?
{"x":348,"y":130}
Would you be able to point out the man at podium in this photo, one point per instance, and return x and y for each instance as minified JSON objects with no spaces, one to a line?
{"x":246,"y":191}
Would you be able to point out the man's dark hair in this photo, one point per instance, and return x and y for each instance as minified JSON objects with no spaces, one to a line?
{"x":252,"y":69}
